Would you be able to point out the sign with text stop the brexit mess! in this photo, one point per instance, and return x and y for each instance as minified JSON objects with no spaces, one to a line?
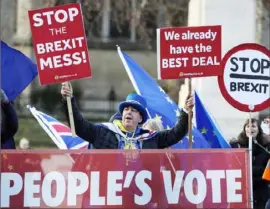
{"x":185,"y":52}
{"x":59,"y":43}
{"x":245,"y":82}
{"x":175,"y":179}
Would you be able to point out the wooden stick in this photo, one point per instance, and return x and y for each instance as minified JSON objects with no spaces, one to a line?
{"x":71,"y":119}
{"x":189,"y":117}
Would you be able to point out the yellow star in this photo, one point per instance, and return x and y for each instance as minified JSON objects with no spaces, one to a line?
{"x":158,"y":117}
{"x":203,"y":130}
{"x":5,"y":156}
{"x":10,"y":167}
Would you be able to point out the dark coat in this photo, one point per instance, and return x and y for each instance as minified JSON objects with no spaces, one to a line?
{"x":9,"y":126}
{"x":103,"y":138}
{"x":260,"y":158}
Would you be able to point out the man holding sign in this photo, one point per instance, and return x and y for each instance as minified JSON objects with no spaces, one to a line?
{"x":126,"y":133}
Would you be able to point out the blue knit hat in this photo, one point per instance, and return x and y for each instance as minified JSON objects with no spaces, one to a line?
{"x":136,"y":101}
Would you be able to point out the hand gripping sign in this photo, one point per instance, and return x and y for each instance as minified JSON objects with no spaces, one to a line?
{"x":246,"y":77}
{"x":59,"y":43}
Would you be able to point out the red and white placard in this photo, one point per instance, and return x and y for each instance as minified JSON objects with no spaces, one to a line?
{"x":59,"y":43}
{"x":185,"y":52}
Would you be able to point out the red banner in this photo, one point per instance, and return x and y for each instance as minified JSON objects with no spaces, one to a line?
{"x":185,"y":52}
{"x":59,"y":43}
{"x":125,"y":179}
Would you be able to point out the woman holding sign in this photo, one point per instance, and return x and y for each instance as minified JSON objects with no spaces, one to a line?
{"x":261,"y":154}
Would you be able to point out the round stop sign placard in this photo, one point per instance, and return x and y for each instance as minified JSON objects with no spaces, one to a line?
{"x":245,"y":82}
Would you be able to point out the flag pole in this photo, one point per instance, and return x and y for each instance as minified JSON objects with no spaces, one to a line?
{"x":189,"y":116}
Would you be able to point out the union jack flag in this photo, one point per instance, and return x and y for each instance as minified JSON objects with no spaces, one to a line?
{"x":57,"y":131}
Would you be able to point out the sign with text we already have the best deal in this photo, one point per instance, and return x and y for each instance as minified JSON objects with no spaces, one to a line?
{"x":59,"y":43}
{"x":185,"y":52}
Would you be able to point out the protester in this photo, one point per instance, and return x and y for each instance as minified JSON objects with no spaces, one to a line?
{"x":260,"y":153}
{"x":153,"y":125}
{"x":125,"y":133}
{"x":9,"y":123}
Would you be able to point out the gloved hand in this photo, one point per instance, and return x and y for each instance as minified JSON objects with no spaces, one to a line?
{"x":4,"y":98}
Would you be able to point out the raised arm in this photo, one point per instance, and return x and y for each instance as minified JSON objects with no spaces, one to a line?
{"x":84,"y":129}
{"x":168,"y":138}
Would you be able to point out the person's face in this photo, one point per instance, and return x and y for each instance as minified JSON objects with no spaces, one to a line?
{"x":131,"y":118}
{"x":254,"y":130}
{"x":267,"y":121}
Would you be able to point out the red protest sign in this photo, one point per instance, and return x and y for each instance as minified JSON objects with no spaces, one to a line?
{"x":245,"y":78}
{"x":185,"y":52}
{"x":59,"y":43}
{"x":125,"y":179}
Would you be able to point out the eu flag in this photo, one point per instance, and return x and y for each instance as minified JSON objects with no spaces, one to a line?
{"x":160,"y":106}
{"x":208,"y":127}
{"x":17,"y":71}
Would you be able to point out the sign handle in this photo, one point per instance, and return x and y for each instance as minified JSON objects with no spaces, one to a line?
{"x":189,"y":117}
{"x":71,"y":119}
{"x":250,"y":162}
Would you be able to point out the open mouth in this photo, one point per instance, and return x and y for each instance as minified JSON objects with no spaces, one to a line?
{"x":128,"y":118}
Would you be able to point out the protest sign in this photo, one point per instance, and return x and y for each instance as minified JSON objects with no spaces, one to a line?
{"x":125,"y":179}
{"x":245,"y":79}
{"x":185,"y":52}
{"x":59,"y":43}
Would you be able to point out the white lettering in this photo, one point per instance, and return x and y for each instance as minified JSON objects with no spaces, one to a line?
{"x":38,"y":20}
{"x":74,"y":188}
{"x":30,"y":189}
{"x":40,"y":48}
{"x":59,"y":188}
{"x":174,"y":62}
{"x":173,"y":191}
{"x":215,"y":176}
{"x":94,"y":190}
{"x":171,"y":35}
{"x":46,"y":63}
{"x":60,"y":16}
{"x":7,"y":190}
{"x":114,"y":187}
{"x":60,"y":13}
{"x":233,"y":185}
{"x":143,"y":187}
{"x":201,"y":187}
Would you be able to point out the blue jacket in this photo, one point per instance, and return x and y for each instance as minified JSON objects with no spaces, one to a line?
{"x":9,"y":126}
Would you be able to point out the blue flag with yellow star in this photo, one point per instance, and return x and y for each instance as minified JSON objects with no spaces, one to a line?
{"x":208,"y":127}
{"x":160,"y":106}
